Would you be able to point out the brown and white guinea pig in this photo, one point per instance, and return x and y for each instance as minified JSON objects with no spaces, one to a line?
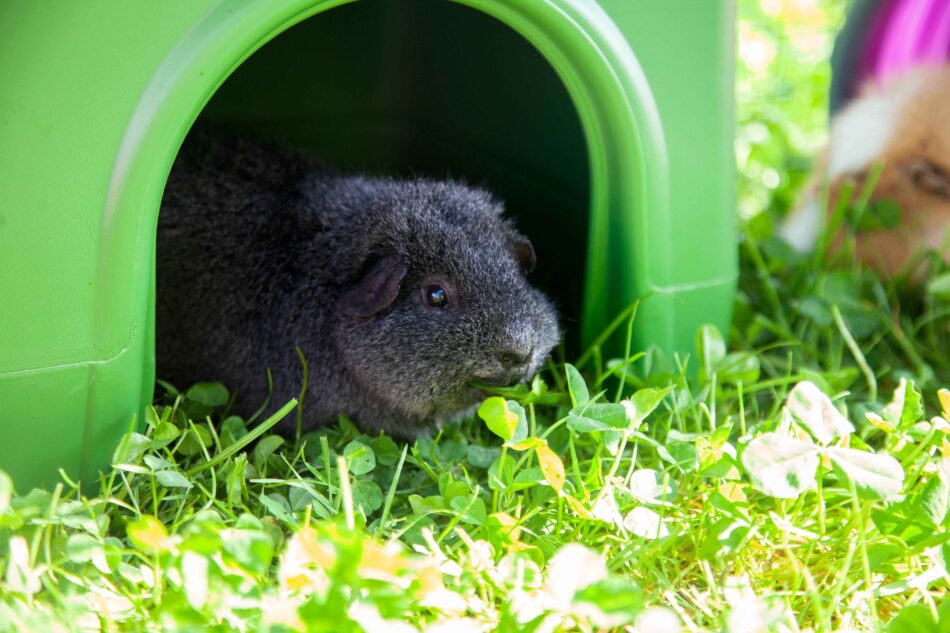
{"x":904,"y":124}
{"x":399,"y":293}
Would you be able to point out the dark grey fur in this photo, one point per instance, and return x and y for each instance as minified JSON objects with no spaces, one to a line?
{"x":262,"y":249}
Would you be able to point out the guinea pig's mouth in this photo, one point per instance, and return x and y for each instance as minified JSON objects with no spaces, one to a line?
{"x":485,"y":388}
{"x":502,"y":383}
{"x":481,"y":388}
{"x":491,"y":381}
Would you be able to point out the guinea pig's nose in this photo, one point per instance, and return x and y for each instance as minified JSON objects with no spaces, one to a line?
{"x":514,"y":358}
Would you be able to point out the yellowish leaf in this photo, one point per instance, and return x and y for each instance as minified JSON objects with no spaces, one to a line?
{"x":501,"y":420}
{"x":528,"y":443}
{"x":944,"y":396}
{"x":430,"y":579}
{"x":732,"y":491}
{"x":148,"y":534}
{"x":508,"y":525}
{"x":382,"y":561}
{"x":304,"y":561}
{"x":551,"y":467}
{"x":312,"y":550}
{"x":732,"y":474}
{"x":879,"y":422}
{"x":578,"y":507}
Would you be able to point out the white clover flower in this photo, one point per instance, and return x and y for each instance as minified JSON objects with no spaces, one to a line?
{"x":658,"y":620}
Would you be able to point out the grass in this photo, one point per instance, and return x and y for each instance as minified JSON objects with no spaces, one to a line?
{"x":582,"y":502}
{"x":799,"y":480}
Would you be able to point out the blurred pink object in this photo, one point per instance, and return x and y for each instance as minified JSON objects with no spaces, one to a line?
{"x":907,"y":33}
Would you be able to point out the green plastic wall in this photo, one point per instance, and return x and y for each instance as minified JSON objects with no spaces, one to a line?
{"x":607,"y":127}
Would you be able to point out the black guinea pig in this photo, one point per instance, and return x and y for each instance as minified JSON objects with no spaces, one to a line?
{"x":399,"y":293}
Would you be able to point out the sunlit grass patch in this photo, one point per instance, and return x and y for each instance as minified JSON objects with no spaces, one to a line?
{"x":769,"y":490}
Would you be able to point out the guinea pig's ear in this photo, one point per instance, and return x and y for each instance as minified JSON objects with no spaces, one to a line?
{"x":524,"y":253}
{"x":929,"y":177}
{"x":376,"y":288}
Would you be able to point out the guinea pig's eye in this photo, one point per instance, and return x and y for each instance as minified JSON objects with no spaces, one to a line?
{"x":435,"y":296}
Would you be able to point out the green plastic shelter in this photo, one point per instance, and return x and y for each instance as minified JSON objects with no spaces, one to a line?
{"x":606,"y":126}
